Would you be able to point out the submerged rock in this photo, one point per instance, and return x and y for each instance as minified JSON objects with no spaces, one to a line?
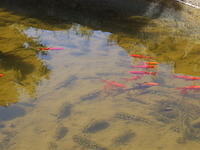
{"x":65,"y":111}
{"x":196,"y":125}
{"x":130,"y":117}
{"x":191,"y":132}
{"x":91,"y":96}
{"x":69,"y":82}
{"x":6,"y":142}
{"x":96,"y":126}
{"x":170,"y":111}
{"x":52,"y":146}
{"x":61,"y":132}
{"x":124,"y":138}
{"x":166,"y":111}
{"x":86,"y":143}
{"x":180,"y":115}
{"x":133,"y":99}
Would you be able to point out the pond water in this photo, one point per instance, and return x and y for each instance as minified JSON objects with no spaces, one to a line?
{"x":64,"y":100}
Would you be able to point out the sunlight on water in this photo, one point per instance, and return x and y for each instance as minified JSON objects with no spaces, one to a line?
{"x":67,"y":100}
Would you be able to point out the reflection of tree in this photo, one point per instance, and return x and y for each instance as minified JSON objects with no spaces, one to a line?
{"x":171,"y":43}
{"x":20,"y":65}
{"x":109,"y":7}
{"x":102,"y":11}
{"x":83,"y":31}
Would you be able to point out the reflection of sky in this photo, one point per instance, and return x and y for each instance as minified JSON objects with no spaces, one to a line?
{"x":67,"y":39}
{"x":83,"y":56}
{"x":75,"y":44}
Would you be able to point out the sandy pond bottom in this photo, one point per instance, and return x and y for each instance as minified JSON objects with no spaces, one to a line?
{"x":72,"y":111}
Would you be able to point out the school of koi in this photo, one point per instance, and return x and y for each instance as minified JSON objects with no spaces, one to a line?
{"x":140,"y":74}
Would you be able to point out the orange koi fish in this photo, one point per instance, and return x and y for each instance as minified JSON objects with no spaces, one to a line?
{"x":1,"y":75}
{"x":53,"y":48}
{"x":142,"y":72}
{"x":151,"y":84}
{"x":132,"y":78}
{"x":184,"y":90}
{"x":139,"y":56}
{"x":193,"y":87}
{"x":143,"y":66}
{"x":115,"y":84}
{"x":187,"y":77}
{"x":152,"y":63}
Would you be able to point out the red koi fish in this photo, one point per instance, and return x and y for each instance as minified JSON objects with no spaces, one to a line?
{"x":143,"y":66}
{"x":1,"y":75}
{"x":115,"y":84}
{"x":187,"y":77}
{"x":152,"y":63}
{"x":53,"y":48}
{"x":139,"y":56}
{"x":132,"y":78}
{"x":184,"y":90}
{"x":142,"y":72}
{"x":151,"y":84}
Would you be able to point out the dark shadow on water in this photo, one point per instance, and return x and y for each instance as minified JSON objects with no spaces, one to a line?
{"x":12,"y":112}
{"x":115,"y":16}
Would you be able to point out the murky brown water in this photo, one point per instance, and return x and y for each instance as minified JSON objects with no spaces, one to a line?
{"x":55,"y":100}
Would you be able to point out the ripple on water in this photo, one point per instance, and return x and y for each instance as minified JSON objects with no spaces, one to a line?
{"x":6,"y":142}
{"x":180,"y":115}
{"x":52,"y":146}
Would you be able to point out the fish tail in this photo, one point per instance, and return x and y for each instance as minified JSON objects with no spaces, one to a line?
{"x":153,"y":73}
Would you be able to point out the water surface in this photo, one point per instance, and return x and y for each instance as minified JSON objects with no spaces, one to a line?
{"x":56,"y":100}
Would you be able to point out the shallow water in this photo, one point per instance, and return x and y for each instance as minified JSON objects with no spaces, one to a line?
{"x":56,"y":100}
